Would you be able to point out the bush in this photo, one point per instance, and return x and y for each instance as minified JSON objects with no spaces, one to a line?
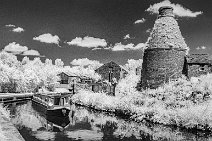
{"x":183,"y":102}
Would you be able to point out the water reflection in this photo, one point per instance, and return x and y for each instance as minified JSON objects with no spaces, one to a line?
{"x":84,"y":124}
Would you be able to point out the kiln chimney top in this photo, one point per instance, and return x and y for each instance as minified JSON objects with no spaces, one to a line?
{"x":166,"y":11}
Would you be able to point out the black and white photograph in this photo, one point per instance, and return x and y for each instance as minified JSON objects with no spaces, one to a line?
{"x":105,"y":70}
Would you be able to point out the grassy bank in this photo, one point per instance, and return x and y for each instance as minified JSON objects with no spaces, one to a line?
{"x":8,"y":131}
{"x":2,"y":136}
{"x":181,"y":103}
{"x":5,"y":113}
{"x":129,"y":130}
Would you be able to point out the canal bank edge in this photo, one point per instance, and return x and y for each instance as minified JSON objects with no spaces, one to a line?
{"x":9,"y":130}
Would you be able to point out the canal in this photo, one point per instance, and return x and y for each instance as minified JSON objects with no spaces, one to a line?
{"x":84,"y":124}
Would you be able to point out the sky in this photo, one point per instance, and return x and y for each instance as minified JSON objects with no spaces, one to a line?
{"x":103,"y":30}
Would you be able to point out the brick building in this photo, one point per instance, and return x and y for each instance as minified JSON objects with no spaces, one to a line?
{"x":111,"y":70}
{"x":112,"y":73}
{"x":67,"y":78}
{"x":67,"y":81}
{"x":197,"y":64}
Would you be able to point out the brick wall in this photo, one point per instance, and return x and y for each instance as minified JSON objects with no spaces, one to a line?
{"x":160,"y":65}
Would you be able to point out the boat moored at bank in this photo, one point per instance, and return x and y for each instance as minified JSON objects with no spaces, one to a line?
{"x":53,"y":104}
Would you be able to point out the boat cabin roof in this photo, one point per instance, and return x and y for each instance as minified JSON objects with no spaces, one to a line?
{"x":53,"y":94}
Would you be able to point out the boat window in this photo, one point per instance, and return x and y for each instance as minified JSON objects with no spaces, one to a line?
{"x":66,"y":99}
{"x":62,"y":101}
{"x":56,"y":101}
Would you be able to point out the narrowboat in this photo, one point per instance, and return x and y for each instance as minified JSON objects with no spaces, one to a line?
{"x":58,"y":123}
{"x":53,"y":104}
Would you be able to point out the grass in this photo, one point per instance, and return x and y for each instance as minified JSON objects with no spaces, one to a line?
{"x":2,"y":135}
{"x":126,"y":129}
{"x":5,"y":113}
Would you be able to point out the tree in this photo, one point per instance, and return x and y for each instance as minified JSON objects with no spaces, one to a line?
{"x":48,"y":62}
{"x":9,"y":59}
{"x":133,"y":64}
{"x":25,"y":60}
{"x":59,"y":63}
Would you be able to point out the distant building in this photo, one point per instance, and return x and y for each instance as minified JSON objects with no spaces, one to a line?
{"x":86,"y":80}
{"x":197,"y":64}
{"x":111,"y":71}
{"x":67,"y":81}
{"x":73,"y":82}
{"x":67,"y":78}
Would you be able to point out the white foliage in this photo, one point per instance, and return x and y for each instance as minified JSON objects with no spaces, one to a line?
{"x":127,"y":86}
{"x":133,"y":64}
{"x":59,"y":63}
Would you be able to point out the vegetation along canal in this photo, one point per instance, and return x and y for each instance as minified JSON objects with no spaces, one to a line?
{"x":86,"y":125}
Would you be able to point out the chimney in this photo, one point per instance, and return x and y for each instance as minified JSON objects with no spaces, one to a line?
{"x":166,"y":11}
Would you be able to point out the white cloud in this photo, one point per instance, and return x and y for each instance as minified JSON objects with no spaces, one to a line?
{"x":140,"y":21}
{"x":127,"y":36}
{"x":48,"y":38}
{"x":201,"y":48}
{"x":31,"y":53}
{"x":131,"y":46}
{"x":15,"y":48}
{"x":10,"y":25}
{"x":179,"y":10}
{"x":18,"y":29}
{"x":96,"y":48}
{"x":86,"y":62}
{"x":15,"y":29}
{"x":89,"y":42}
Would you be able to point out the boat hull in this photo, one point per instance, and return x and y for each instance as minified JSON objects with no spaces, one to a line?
{"x":59,"y":112}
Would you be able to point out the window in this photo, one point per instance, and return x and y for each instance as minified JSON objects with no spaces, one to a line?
{"x":88,"y":81}
{"x":64,"y":81}
{"x":202,"y":69}
{"x":57,"y":101}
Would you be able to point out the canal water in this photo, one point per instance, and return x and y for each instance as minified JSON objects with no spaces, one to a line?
{"x":84,"y":124}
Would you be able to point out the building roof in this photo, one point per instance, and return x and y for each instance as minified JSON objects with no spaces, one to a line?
{"x":110,"y":64}
{"x":69,"y":74}
{"x":198,"y":59}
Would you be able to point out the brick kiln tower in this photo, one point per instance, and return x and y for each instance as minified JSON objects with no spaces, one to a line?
{"x":165,"y":53}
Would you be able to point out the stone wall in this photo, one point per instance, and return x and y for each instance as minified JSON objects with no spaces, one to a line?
{"x":160,"y":65}
{"x":195,"y":70}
